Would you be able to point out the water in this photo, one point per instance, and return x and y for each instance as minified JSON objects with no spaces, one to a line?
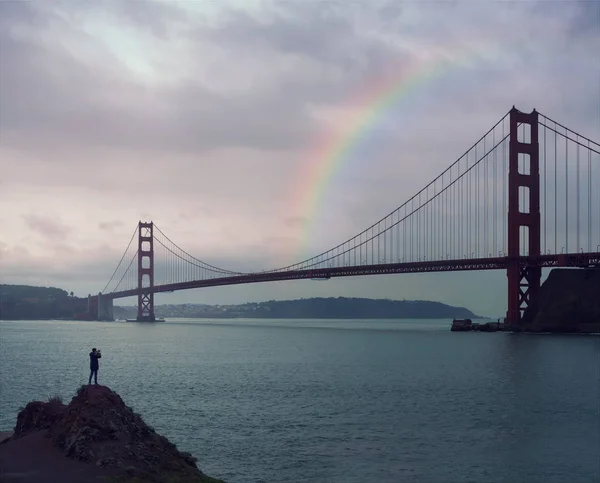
{"x":334,"y":401}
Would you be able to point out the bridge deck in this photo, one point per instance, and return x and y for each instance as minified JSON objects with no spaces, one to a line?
{"x":499,"y":263}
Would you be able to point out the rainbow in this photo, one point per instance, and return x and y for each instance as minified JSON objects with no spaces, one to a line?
{"x":332,"y":150}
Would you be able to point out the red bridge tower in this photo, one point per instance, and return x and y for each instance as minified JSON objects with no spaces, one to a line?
{"x":524,"y":272}
{"x":145,"y":272}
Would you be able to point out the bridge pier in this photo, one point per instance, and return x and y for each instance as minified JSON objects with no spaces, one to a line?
{"x":523,"y":278}
{"x":145,"y":272}
{"x":105,"y":308}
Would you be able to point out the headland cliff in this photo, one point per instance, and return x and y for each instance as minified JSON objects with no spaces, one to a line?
{"x":569,"y":302}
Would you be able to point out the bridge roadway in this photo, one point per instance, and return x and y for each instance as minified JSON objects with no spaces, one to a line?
{"x":580,"y":260}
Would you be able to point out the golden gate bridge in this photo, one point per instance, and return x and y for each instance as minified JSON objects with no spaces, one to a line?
{"x":525,"y":196}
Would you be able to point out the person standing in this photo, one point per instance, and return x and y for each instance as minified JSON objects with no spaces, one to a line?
{"x":94,"y":365}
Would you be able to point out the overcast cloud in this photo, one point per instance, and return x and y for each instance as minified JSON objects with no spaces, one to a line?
{"x":203,"y":117}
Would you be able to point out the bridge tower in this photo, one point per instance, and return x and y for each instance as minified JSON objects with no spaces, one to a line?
{"x":524,"y":274}
{"x":145,"y":272}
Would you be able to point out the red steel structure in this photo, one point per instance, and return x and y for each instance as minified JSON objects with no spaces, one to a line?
{"x":523,"y":278}
{"x":506,"y":204}
{"x":145,"y":261}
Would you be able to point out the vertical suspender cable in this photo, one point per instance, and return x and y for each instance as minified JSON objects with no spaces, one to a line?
{"x":494,"y":201}
{"x":555,"y":191}
{"x":486,"y":249}
{"x":566,"y":195}
{"x":589,"y":195}
{"x":577,"y":190}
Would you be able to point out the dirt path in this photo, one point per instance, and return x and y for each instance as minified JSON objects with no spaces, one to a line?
{"x":4,"y":435}
{"x":33,"y":459}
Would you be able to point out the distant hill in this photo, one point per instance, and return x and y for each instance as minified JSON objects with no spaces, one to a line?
{"x":313,"y":308}
{"x":25,"y":302}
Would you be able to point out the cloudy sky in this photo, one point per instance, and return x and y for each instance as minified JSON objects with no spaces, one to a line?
{"x":215,"y":118}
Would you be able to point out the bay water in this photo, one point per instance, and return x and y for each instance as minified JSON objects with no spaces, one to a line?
{"x":335,"y":401}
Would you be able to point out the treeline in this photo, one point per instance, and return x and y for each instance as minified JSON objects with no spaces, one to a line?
{"x":25,"y":302}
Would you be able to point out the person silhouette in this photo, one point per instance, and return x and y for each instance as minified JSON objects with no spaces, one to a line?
{"x":94,"y":365}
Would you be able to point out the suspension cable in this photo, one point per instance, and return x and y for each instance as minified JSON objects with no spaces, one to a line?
{"x":574,"y":140}
{"x":126,"y":271}
{"x":206,"y":265}
{"x":569,"y":130}
{"x":120,"y":261}
{"x":372,"y":237}
{"x":201,"y":265}
{"x":364,"y":232}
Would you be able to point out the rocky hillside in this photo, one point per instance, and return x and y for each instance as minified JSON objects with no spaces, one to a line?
{"x":97,"y":428}
{"x":569,"y":302}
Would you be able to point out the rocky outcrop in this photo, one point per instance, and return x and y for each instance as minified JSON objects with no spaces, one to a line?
{"x":569,"y":302}
{"x":467,"y":325}
{"x":98,"y":428}
{"x":38,"y":415}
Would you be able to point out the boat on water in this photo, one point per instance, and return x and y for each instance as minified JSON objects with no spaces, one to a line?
{"x":145,"y":321}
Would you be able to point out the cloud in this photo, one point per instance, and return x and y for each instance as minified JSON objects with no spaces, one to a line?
{"x":110,"y":225}
{"x":47,"y":227}
{"x":585,"y":21}
{"x":214,"y":119}
{"x":90,"y":95}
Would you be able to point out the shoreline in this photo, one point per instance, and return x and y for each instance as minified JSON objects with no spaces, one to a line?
{"x":118,"y":319}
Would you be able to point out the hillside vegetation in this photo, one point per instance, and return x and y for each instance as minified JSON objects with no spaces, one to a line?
{"x":313,"y":308}
{"x":24,"y":302}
